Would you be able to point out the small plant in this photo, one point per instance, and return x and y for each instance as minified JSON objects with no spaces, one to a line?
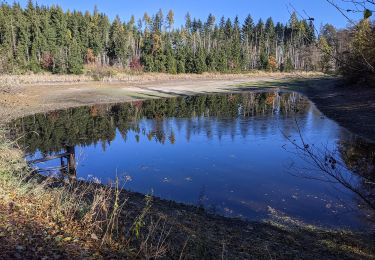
{"x":47,"y":61}
{"x":271,"y":64}
{"x":112,"y":220}
{"x":90,"y":56}
{"x":140,"y":220}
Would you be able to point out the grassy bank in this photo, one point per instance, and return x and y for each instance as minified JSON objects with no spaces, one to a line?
{"x":42,"y":217}
{"x":46,"y":217}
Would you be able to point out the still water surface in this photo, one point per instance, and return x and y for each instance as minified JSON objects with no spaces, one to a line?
{"x":231,"y":154}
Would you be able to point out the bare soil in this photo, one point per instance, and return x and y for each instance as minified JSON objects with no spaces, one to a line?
{"x":353,"y":107}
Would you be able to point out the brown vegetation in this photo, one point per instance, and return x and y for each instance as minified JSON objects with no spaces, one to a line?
{"x":111,"y":74}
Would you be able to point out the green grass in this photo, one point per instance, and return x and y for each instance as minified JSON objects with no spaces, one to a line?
{"x":293,"y":84}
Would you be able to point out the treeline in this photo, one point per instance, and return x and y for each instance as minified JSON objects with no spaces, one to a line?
{"x":40,"y":38}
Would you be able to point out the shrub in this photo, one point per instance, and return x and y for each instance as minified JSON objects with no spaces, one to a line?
{"x":358,"y":63}
{"x":100,"y":73}
{"x":90,"y":56}
{"x":272,"y":64}
{"x":135,"y":64}
{"x":47,"y":61}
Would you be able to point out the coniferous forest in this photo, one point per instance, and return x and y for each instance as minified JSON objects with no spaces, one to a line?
{"x":49,"y":39}
{"x":39,"y":38}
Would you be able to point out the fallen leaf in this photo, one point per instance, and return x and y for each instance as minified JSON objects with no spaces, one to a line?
{"x":94,"y":236}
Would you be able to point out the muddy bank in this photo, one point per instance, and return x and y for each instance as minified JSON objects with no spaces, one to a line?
{"x":352,"y":107}
{"x":196,"y":234}
{"x":184,"y":232}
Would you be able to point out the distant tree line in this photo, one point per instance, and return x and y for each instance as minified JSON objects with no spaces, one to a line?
{"x":40,"y":38}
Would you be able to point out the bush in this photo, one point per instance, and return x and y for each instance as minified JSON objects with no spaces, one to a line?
{"x":90,"y":56}
{"x":358,"y":63}
{"x":289,"y":65}
{"x":135,"y":64}
{"x":272,"y":64}
{"x":100,"y":73}
{"x":47,"y":61}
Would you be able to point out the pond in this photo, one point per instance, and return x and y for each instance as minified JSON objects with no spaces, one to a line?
{"x":233,"y":154}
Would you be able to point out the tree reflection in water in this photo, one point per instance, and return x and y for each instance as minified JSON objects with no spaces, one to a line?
{"x":91,"y":125}
{"x":230,"y":116}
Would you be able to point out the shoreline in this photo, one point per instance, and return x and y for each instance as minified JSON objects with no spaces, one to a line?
{"x":21,"y":95}
{"x":352,"y":107}
{"x":193,"y":230}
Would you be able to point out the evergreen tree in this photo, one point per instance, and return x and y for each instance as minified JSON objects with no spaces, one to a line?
{"x":75,"y":61}
{"x":118,"y":51}
{"x":200,"y":62}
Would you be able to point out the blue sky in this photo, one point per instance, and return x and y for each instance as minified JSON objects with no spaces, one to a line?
{"x":322,"y":11}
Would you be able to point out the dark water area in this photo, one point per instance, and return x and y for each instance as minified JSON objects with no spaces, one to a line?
{"x":233,"y":154}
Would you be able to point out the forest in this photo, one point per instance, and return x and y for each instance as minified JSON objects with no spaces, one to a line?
{"x":39,"y":38}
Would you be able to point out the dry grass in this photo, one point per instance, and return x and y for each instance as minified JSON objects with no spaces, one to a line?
{"x":87,"y":215}
{"x":106,"y":74}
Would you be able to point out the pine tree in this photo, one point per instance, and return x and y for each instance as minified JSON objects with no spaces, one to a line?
{"x":60,"y":63}
{"x":170,"y":20}
{"x":200,"y":62}
{"x":171,"y":63}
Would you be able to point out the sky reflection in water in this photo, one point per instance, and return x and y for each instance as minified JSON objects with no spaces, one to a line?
{"x":228,"y":153}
